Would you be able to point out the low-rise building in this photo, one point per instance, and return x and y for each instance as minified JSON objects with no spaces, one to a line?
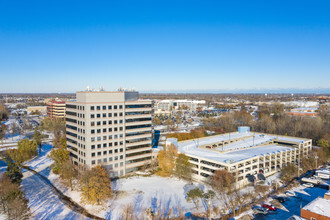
{"x":183,"y":104}
{"x":242,"y":153}
{"x":318,"y":209}
{"x":40,"y":109}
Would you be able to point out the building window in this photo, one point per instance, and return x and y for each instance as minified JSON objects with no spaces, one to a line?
{"x":98,"y":115}
{"x":92,"y":116}
{"x":104,"y":160}
{"x":116,"y":151}
{"x":104,"y":130}
{"x":99,"y":161}
{"x":121,"y":150}
{"x":98,"y":153}
{"x":120,"y":114}
{"x":110,"y":144}
{"x":110,"y":129}
{"x":110,"y":122}
{"x":104,"y":115}
{"x":116,"y":157}
{"x":92,"y":131}
{"x":116,"y":165}
{"x":98,"y":131}
{"x":98,"y":123}
{"x":98,"y":107}
{"x":115,"y":115}
{"x":104,"y":122}
{"x":92,"y":108}
{"x":104,"y":152}
{"x":109,"y":107}
{"x":98,"y":138}
{"x":93,"y":162}
{"x":121,"y":164}
{"x":110,"y":151}
{"x":98,"y":146}
{"x":110,"y":159}
{"x":93,"y":147}
{"x":120,"y":107}
{"x":121,"y":157}
{"x":92,"y":123}
{"x":104,"y":107}
{"x":115,"y":107}
{"x":92,"y":139}
{"x":104,"y":145}
{"x":93,"y":154}
{"x":109,"y":115}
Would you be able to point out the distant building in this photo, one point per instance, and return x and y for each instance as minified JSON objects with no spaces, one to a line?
{"x":112,"y":129}
{"x":172,"y":105}
{"x":56,"y":109}
{"x":308,"y":111}
{"x":245,"y":154}
{"x":40,"y":109}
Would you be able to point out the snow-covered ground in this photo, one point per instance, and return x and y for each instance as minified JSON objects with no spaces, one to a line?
{"x":153,"y":192}
{"x":43,"y":202}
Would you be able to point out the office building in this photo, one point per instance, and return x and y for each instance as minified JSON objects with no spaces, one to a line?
{"x":112,"y":129}
{"x":56,"y":109}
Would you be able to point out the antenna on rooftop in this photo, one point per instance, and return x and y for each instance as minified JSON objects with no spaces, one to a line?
{"x":101,"y":88}
{"x":88,"y":89}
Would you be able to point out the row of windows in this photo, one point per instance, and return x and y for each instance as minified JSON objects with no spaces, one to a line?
{"x":104,"y":138}
{"x":99,"y":123}
{"x":106,"y":145}
{"x":104,"y":107}
{"x":100,"y":161}
{"x":104,"y":115}
{"x":106,"y":152}
{"x":104,"y":130}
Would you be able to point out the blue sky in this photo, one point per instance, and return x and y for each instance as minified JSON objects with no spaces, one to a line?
{"x":63,"y":46}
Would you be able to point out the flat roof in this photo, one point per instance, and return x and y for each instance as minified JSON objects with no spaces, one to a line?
{"x":233,"y":156}
{"x":250,"y":146}
{"x":319,"y":206}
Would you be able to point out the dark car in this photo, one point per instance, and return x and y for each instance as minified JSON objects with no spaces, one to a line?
{"x":280,"y":199}
{"x":269,"y":206}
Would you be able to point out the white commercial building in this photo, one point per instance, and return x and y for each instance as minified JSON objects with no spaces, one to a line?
{"x":112,"y":129}
{"x":171,"y":105}
{"x":243,"y":153}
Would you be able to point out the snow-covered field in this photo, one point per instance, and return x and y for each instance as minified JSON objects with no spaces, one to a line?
{"x":157,"y":193}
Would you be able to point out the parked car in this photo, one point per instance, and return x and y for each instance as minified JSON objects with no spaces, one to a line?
{"x":260,"y":210}
{"x":280,"y":199}
{"x":308,"y":185}
{"x":269,"y":206}
{"x":290,"y":193}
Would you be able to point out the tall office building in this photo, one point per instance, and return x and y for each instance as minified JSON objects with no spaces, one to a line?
{"x":112,"y":129}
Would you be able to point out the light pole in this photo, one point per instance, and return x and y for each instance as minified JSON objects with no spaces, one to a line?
{"x":316,"y":157}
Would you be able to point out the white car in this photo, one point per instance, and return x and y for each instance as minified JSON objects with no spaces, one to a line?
{"x":290,"y":193}
{"x":308,"y":185}
{"x":260,"y":210}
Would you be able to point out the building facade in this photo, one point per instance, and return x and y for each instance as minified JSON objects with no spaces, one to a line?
{"x":243,"y":153}
{"x":56,"y":109}
{"x":171,"y":105}
{"x":112,"y":129}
